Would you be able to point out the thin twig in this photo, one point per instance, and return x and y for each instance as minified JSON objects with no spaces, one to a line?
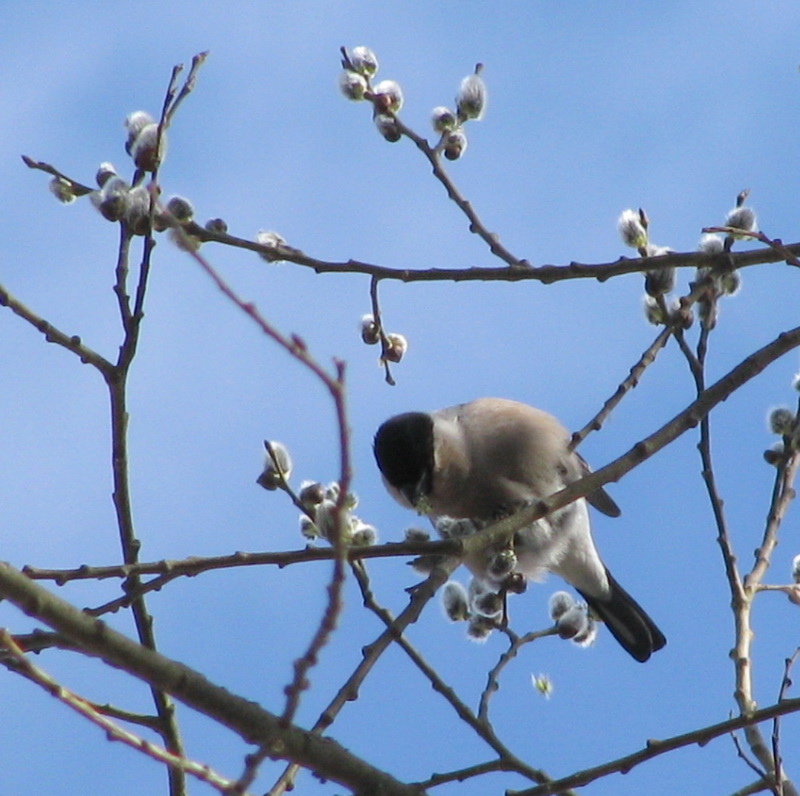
{"x":463,"y":774}
{"x":742,"y":591}
{"x":76,"y":188}
{"x":629,"y":383}
{"x":195,"y":565}
{"x":493,"y":679}
{"x":121,"y":277}
{"x":476,"y":226}
{"x":547,"y":274}
{"x":786,"y":252}
{"x":783,"y":494}
{"x":189,"y":84}
{"x":376,"y":315}
{"x":750,"y":763}
{"x":51,"y":334}
{"x":786,"y":683}
{"x":433,"y":156}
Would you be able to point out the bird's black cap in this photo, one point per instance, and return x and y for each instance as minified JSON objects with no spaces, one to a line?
{"x":404,"y":452}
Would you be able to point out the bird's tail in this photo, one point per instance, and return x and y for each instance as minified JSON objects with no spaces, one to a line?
{"x":627,"y":620}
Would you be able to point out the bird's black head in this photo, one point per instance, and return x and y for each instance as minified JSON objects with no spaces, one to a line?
{"x":404,"y":452}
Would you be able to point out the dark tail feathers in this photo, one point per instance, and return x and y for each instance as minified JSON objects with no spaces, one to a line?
{"x":626,"y":619}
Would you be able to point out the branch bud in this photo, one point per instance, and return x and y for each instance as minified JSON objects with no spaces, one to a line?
{"x":502,"y":564}
{"x":388,"y":96}
{"x":312,"y":493}
{"x":363,"y":61}
{"x":362,"y":534}
{"x":710,"y":244}
{"x":632,"y":229}
{"x":443,"y":119}
{"x":455,"y":144}
{"x":112,"y":199}
{"x":796,"y":569}
{"x":396,"y":347}
{"x":370,"y":331}
{"x":134,"y":123}
{"x":275,"y":472}
{"x":573,"y":622}
{"x":62,"y":190}
{"x":416,"y":535}
{"x":146,"y":151}
{"x":743,"y":218}
{"x":454,"y":601}
{"x":272,"y":241}
{"x":659,"y":281}
{"x":137,"y":210}
{"x":471,"y":97}
{"x":781,"y":420}
{"x":217,"y":225}
{"x":307,"y":528}
{"x":479,"y":628}
{"x":775,"y":454}
{"x":352,"y":85}
{"x":560,"y":603}
{"x":181,"y":209}
{"x":387,"y":127}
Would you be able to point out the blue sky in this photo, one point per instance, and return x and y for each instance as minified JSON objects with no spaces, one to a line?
{"x":672,"y":107}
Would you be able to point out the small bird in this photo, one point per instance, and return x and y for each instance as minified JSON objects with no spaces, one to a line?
{"x":487,"y":459}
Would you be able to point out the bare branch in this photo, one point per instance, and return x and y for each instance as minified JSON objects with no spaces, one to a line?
{"x":254,"y":724}
{"x":76,"y":188}
{"x":476,"y":226}
{"x":654,"y":748}
{"x":195,"y":565}
{"x":786,"y":252}
{"x":376,"y":314}
{"x":51,"y":334}
{"x":629,"y":383}
{"x":741,"y":754}
{"x":547,"y":274}
{"x":113,"y":731}
{"x":493,"y":680}
{"x":786,"y":788}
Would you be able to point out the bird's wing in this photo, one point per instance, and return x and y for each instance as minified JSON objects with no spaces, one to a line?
{"x":600,"y":499}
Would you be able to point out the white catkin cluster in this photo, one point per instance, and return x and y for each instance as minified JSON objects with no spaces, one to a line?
{"x":144,"y":144}
{"x":470,"y":104}
{"x":572,"y":619}
{"x":330,"y":521}
{"x":395,"y":344}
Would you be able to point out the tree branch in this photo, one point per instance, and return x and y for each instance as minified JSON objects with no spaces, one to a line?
{"x":247,"y":719}
{"x":654,"y":748}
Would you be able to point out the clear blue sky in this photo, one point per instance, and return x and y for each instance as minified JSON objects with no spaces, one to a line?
{"x":593,"y":108}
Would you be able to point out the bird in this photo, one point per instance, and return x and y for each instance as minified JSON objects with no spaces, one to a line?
{"x":481,"y":461}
